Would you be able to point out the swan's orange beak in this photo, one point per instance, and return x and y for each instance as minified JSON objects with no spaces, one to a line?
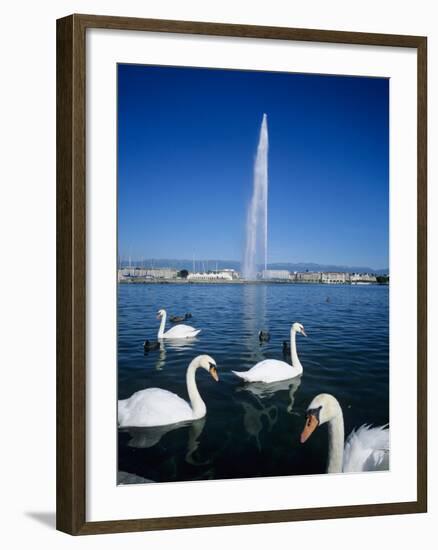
{"x":309,"y":427}
{"x":213,"y":373}
{"x":303,"y":332}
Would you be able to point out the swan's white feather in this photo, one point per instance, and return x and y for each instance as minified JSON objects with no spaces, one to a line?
{"x":181,"y":331}
{"x":367,"y":449}
{"x":153,"y":407}
{"x":269,"y":370}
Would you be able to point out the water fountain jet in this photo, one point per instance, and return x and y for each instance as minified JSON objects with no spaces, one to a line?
{"x":256,"y":245}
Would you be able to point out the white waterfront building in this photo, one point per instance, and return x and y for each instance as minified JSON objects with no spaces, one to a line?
{"x":234,"y":274}
{"x":282,"y":274}
{"x":307,"y":277}
{"x":210,"y":276}
{"x":334,"y":277}
{"x":148,"y":273}
{"x":362,"y":278}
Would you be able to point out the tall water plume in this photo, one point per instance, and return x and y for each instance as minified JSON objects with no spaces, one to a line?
{"x":256,"y":245}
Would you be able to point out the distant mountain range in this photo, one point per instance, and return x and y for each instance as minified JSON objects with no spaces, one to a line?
{"x":205,"y":265}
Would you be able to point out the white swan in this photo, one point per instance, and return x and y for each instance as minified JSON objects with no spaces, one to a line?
{"x":273,"y":370}
{"x":366,"y":449}
{"x":157,"y":407}
{"x":178,"y":331}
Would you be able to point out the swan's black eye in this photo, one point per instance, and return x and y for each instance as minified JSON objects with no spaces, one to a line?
{"x":314,"y":412}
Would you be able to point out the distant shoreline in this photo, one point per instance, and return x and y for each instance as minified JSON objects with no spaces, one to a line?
{"x":138,"y":281}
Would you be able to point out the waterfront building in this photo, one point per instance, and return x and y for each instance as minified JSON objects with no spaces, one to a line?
{"x":210,"y":276}
{"x":308,"y":277}
{"x":148,"y":273}
{"x":161,"y":273}
{"x":132,"y":272}
{"x":234,"y":274}
{"x":362,"y":278}
{"x":282,"y":274}
{"x":333,"y":277}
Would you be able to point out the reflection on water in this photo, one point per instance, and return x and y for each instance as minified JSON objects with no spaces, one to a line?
{"x":170,"y":345}
{"x":251,"y":429}
{"x":253,"y":320}
{"x":263,"y":391}
{"x":259,"y":405}
{"x":254,"y":414}
{"x":145,"y":438}
{"x":195,"y":432}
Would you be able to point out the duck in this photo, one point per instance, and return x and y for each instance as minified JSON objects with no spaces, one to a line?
{"x":157,"y":407}
{"x":150,"y":346}
{"x":180,"y":318}
{"x":273,"y":370}
{"x":285,"y":347}
{"x":179,"y":331}
{"x":366,"y":448}
{"x":264,"y":336}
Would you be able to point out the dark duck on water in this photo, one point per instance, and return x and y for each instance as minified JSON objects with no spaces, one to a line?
{"x":180,"y":318}
{"x":150,"y":346}
{"x":264,"y":336}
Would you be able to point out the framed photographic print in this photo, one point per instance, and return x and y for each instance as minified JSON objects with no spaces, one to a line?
{"x":241,"y":287}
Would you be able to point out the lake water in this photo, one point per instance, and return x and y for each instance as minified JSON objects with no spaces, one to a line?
{"x":251,"y":430}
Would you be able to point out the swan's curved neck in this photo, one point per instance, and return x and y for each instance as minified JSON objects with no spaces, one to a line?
{"x":198,"y":406}
{"x":162,"y":325}
{"x":293,"y":350}
{"x":336,"y":444}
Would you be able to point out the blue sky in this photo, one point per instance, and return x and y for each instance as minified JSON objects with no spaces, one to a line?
{"x":186,"y":145}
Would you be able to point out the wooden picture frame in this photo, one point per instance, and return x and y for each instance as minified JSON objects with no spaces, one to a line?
{"x":71,"y":273}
